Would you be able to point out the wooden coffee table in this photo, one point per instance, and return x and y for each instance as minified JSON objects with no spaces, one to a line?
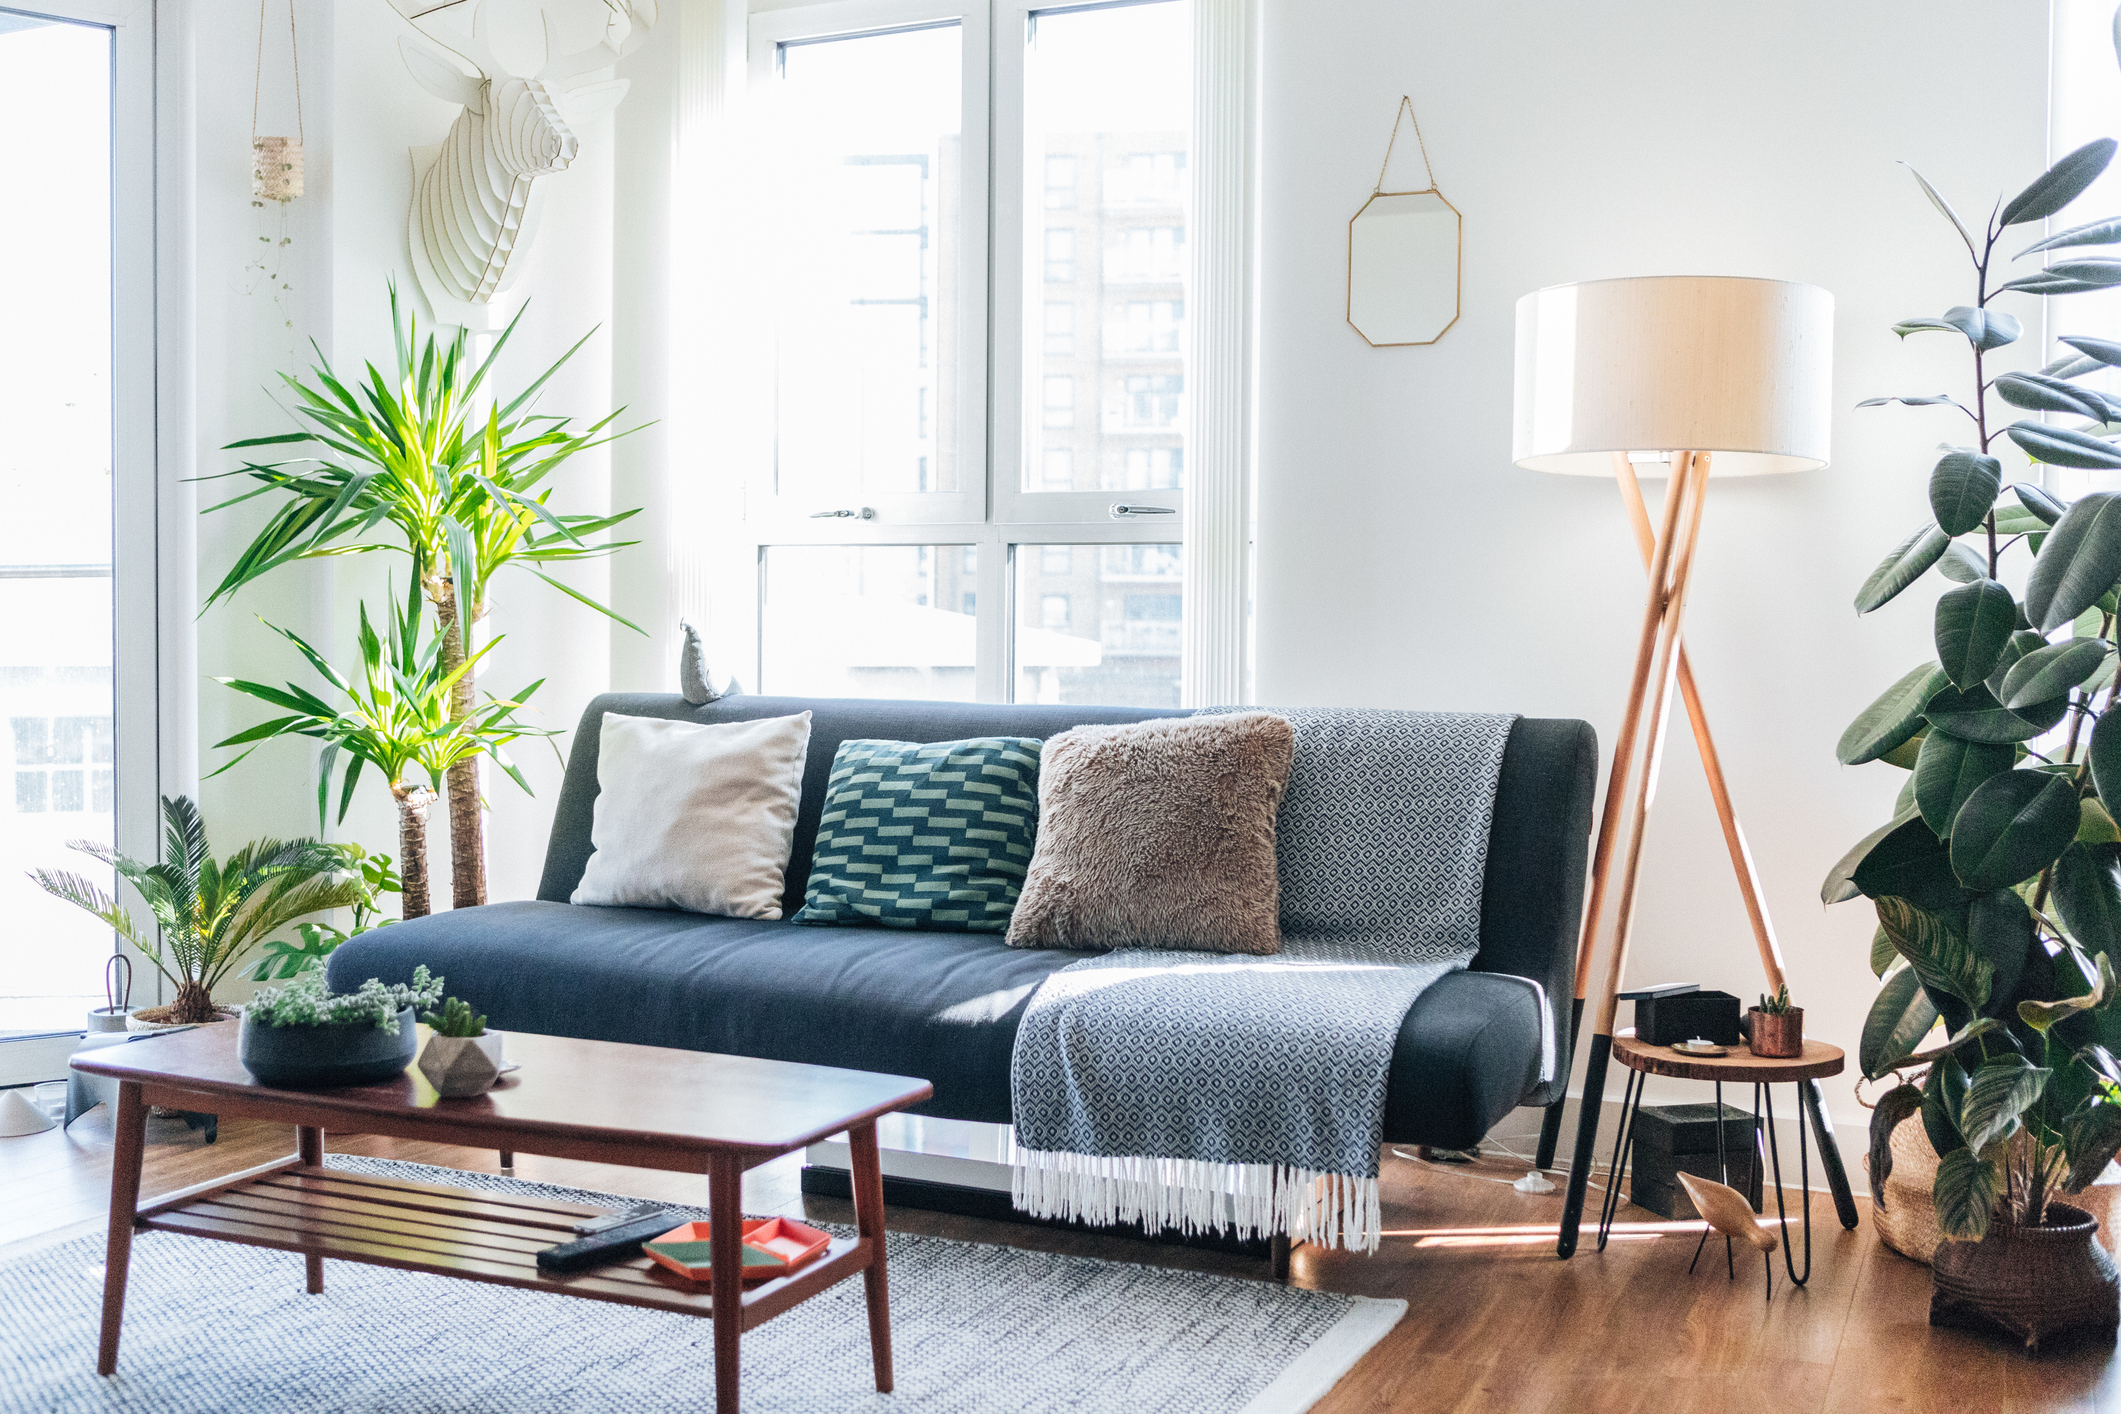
{"x":643,"y":1106}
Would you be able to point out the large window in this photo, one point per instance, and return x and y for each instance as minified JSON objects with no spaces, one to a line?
{"x":918,"y":537}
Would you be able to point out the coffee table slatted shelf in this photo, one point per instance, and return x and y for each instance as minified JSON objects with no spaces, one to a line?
{"x":461,"y":1232}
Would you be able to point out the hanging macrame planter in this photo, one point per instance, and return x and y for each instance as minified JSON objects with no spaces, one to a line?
{"x":276,"y":162}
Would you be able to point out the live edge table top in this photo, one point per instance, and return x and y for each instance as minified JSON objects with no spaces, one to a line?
{"x":570,"y":1097}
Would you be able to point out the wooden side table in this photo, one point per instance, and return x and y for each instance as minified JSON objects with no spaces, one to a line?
{"x":1740,"y":1067}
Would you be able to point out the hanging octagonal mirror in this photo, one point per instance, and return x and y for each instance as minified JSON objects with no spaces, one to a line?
{"x":1403,"y":250}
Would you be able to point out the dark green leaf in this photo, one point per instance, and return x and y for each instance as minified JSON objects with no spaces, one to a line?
{"x":1900,"y":1016}
{"x":2104,"y":351}
{"x":1905,"y":800}
{"x":2047,"y":673}
{"x":2036,"y":500}
{"x":1905,"y":565}
{"x":2087,"y":894}
{"x":1941,"y":1094}
{"x":1937,"y":951}
{"x":1985,"y":329}
{"x":1914,"y":400}
{"x":1960,"y":564}
{"x":2000,"y":927}
{"x":1906,"y":861}
{"x":2059,"y":185}
{"x":2075,"y":277}
{"x":1883,"y":953}
{"x":2106,"y":232}
{"x":1944,"y":208}
{"x":1840,"y":885}
{"x":1965,"y":1194}
{"x":2091,"y":1137}
{"x":2039,"y":393}
{"x":2022,"y":642}
{"x":1973,"y":623}
{"x":1892,"y":719}
{"x":2059,"y":446}
{"x":2104,"y":755}
{"x":1907,"y":753}
{"x":1895,"y":1105}
{"x":2080,"y":562}
{"x":1978,"y":716}
{"x":2012,"y":826}
{"x":1999,"y":1093}
{"x":1949,"y":769}
{"x":1962,"y":488}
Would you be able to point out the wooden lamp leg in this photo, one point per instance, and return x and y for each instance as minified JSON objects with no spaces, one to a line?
{"x":1657,"y":646}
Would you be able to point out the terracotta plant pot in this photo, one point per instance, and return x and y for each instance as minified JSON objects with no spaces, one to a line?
{"x":1776,"y":1035}
{"x":462,"y":1065}
{"x":2029,"y":1281}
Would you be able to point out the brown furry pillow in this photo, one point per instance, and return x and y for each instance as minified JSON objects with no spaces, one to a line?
{"x":1159,"y":835}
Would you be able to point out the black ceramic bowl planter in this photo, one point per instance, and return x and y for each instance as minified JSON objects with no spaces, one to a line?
{"x":318,"y":1057}
{"x":2031,"y":1281}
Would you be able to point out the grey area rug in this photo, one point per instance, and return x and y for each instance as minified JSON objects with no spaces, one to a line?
{"x":212,"y":1326}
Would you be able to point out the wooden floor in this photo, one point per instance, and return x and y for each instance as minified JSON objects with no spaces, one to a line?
{"x":1495,"y":1322}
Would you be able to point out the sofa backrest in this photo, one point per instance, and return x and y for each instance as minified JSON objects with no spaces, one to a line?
{"x":1538,"y":844}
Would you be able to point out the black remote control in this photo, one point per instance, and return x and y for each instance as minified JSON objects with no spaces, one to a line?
{"x":610,"y":1245}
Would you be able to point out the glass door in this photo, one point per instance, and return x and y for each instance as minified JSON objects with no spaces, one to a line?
{"x":57,"y":744}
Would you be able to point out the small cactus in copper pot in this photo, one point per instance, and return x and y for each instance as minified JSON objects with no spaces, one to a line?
{"x":1775,"y":1029}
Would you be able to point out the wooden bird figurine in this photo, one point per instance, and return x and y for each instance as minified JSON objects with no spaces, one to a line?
{"x":1726,"y":1210}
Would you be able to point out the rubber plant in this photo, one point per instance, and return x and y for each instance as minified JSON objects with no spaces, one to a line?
{"x":465,"y":492}
{"x":400,"y":718}
{"x":1997,"y":882}
{"x":207,"y":914}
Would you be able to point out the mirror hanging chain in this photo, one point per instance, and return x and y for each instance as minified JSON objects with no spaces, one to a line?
{"x":1428,"y":170}
{"x":276,"y":162}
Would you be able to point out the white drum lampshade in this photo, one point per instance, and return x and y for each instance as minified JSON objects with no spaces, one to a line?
{"x":1738,"y":367}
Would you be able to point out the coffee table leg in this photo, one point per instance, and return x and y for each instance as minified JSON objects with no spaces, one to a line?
{"x":309,"y":1143}
{"x":725,"y":1202}
{"x":869,"y":1221}
{"x":124,"y":1203}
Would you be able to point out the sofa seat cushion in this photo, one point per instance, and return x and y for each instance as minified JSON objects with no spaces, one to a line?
{"x":941,"y":1006}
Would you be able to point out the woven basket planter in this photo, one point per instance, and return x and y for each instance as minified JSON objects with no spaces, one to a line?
{"x":1906,"y":1214}
{"x":2031,"y":1281}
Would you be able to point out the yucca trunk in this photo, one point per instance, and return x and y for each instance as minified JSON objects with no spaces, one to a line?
{"x":194,"y":1004}
{"x":412,"y":847}
{"x":467,"y":826}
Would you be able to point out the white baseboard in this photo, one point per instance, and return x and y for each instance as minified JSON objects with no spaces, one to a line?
{"x":29,"y":1060}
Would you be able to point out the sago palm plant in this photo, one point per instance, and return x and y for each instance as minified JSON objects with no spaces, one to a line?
{"x":465,"y":496}
{"x":208,"y":914}
{"x":399,"y":718}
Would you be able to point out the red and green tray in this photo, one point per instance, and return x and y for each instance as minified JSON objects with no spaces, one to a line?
{"x":773,"y":1247}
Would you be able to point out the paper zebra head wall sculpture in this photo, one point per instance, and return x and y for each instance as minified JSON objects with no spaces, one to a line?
{"x":476,"y":197}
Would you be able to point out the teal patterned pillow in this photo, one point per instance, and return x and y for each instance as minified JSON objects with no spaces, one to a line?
{"x":934,"y":835}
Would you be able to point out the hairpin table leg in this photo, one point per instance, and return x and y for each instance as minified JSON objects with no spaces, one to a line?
{"x":1804,"y":1179}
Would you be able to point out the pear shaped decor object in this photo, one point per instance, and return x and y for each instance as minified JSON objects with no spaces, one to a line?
{"x":1729,"y":1212}
{"x":18,"y":1117}
{"x":462,"y":1065}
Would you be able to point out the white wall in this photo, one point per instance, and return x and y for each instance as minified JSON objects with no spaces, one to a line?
{"x":1404,"y":562}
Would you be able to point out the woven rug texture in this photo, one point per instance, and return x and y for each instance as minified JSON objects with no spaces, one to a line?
{"x":212,"y":1326}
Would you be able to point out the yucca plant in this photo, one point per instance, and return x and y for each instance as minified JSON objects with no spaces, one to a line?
{"x":398,"y":718}
{"x":208,"y":914}
{"x":465,"y":493}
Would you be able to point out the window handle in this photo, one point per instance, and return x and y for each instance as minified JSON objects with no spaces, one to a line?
{"x":864,"y":513}
{"x":1121,"y":510}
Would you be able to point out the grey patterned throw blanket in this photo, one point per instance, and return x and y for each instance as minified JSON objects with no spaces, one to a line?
{"x":1210,"y":1091}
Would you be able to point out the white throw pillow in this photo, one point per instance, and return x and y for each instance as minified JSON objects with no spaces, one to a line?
{"x":695,"y":816}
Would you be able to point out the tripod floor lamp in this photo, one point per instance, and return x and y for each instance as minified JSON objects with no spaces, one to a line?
{"x":1686,"y":377}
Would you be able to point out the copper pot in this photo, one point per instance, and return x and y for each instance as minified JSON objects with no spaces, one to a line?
{"x":1776,"y":1035}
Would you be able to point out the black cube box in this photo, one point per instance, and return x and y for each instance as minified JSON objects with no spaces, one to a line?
{"x":1673,"y":1139}
{"x":1666,"y":1021}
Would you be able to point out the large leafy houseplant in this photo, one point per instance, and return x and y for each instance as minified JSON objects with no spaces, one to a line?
{"x":1998,"y":881}
{"x":208,"y":914}
{"x":465,"y":492}
{"x":400,"y":717}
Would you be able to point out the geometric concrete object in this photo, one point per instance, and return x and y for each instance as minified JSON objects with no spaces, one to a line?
{"x":477,"y":197}
{"x":462,"y":1065}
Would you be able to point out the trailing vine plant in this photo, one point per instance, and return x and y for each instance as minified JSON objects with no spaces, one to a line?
{"x":1997,"y":882}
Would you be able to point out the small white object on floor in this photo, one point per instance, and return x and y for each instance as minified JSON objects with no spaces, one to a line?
{"x":1533,"y":1182}
{"x":18,"y":1117}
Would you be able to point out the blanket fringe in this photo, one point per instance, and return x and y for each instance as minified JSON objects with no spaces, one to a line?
{"x":1196,"y":1196}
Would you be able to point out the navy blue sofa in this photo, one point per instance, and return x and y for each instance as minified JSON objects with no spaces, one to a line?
{"x":945,"y":1006}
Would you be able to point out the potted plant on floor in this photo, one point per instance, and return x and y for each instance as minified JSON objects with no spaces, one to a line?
{"x":303,"y":1036}
{"x":1998,"y":881}
{"x":398,"y":719}
{"x":461,"y":1056}
{"x":314,"y":942}
{"x":207,"y":915}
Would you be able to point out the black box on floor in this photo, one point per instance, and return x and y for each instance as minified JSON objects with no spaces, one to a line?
{"x":1666,"y":1021}
{"x":1673,"y":1139}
